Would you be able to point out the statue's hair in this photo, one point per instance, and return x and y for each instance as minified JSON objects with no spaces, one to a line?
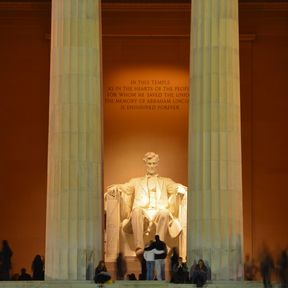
{"x":151,"y":155}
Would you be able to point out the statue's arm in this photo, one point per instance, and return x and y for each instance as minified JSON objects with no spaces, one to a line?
{"x":124,"y":193}
{"x":176,"y":188}
{"x":177,"y":193}
{"x":117,"y":189}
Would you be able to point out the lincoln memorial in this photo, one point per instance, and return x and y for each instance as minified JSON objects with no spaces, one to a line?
{"x":122,"y":120}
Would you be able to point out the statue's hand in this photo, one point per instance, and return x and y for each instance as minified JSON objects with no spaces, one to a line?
{"x":113,"y":190}
{"x":181,"y":189}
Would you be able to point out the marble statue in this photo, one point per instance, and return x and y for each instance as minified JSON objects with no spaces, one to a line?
{"x":147,"y":201}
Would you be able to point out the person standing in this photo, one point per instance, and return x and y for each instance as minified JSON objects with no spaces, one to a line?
{"x":283,"y":269}
{"x":38,"y":268}
{"x":121,"y":267}
{"x":6,"y":254}
{"x":149,"y":256}
{"x":150,"y":261}
{"x":160,"y":258}
{"x":250,"y":269}
{"x":173,"y":260}
{"x":266,"y":268}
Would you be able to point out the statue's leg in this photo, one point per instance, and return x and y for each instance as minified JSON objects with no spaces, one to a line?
{"x":162,"y":220}
{"x":137,"y":218}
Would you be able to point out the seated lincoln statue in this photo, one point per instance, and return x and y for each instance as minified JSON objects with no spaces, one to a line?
{"x":149,"y":202}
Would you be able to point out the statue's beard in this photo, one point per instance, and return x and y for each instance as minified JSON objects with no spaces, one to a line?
{"x":151,"y":171}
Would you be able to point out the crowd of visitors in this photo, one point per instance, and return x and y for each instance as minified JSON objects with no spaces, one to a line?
{"x":267,"y":268}
{"x":6,"y":254}
{"x":153,"y":267}
{"x":200,"y":272}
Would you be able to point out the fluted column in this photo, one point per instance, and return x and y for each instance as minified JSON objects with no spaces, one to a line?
{"x":215,"y":184}
{"x":74,"y":198}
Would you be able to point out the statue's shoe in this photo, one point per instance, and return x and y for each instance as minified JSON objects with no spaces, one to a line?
{"x":147,"y":232}
{"x":139,"y":251}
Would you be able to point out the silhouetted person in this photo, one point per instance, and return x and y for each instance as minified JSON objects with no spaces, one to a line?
{"x":38,"y":268}
{"x":121,"y":267}
{"x":5,"y":261}
{"x":250,"y":269}
{"x":266,"y":268}
{"x":132,"y":277}
{"x":192,"y":269}
{"x":173,"y":260}
{"x":199,"y":274}
{"x":283,"y":269}
{"x":209,"y":272}
{"x":24,"y":276}
{"x":143,"y":266}
{"x":180,"y":272}
{"x":101,"y":274}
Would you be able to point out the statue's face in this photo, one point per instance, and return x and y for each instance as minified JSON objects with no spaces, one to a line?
{"x":152,"y":166}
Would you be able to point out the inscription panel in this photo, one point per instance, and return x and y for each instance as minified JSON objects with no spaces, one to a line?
{"x":148,"y":94}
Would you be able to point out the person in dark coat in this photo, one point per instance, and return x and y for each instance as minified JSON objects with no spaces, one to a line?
{"x":180,"y":272}
{"x":38,"y":268}
{"x":283,"y":269}
{"x":199,"y":274}
{"x":5,"y":261}
{"x":173,"y":260}
{"x":132,"y":277}
{"x":101,"y":274}
{"x":121,"y":267}
{"x":24,"y":276}
{"x":250,"y":269}
{"x":266,"y":268}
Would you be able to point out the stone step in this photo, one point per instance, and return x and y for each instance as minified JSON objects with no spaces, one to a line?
{"x":128,"y":284}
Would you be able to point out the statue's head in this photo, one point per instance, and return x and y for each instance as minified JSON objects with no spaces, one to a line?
{"x":151,"y":160}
